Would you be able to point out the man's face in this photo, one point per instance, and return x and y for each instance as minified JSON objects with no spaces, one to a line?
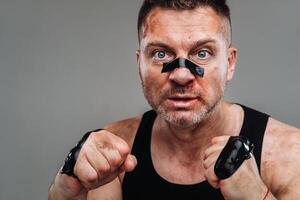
{"x":180,"y":97}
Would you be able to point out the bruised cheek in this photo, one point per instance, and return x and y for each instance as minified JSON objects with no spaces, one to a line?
{"x":147,"y":70}
{"x":218,"y":73}
{"x":153,"y":90}
{"x":153,"y":79}
{"x":156,"y":81}
{"x":214,"y":80}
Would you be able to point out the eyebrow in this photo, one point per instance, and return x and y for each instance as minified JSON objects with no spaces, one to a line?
{"x":158,"y":44}
{"x":203,"y":42}
{"x":166,"y":46}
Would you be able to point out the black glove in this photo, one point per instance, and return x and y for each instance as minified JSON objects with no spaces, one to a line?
{"x":235,"y":152}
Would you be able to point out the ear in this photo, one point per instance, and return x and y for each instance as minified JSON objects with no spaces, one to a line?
{"x":138,"y":62}
{"x":232,"y":59}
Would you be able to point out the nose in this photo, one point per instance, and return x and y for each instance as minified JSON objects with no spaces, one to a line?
{"x":182,"y":76}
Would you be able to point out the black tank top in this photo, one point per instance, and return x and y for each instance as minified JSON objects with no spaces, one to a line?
{"x":144,"y":183}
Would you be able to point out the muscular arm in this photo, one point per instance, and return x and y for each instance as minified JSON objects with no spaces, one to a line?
{"x":281,"y":160}
{"x":101,"y":162}
{"x":126,"y":129}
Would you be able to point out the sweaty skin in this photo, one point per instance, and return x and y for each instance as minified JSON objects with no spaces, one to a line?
{"x":187,"y":148}
{"x":194,"y":122}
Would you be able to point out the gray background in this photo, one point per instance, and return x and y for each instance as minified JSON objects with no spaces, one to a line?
{"x":68,"y":66}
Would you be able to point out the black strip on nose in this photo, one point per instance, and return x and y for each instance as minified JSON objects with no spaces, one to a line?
{"x":182,"y":62}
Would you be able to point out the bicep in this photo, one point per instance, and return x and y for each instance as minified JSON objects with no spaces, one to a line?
{"x":291,"y":190}
{"x":286,"y":178}
{"x":109,"y":191}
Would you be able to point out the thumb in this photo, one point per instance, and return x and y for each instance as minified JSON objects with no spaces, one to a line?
{"x":130,"y":163}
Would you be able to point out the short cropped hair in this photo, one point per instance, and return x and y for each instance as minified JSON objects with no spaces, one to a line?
{"x":219,"y":6}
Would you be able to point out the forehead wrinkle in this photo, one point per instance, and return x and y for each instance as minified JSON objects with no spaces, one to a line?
{"x":186,"y":41}
{"x":224,"y":26}
{"x":177,"y":32}
{"x":180,"y":29}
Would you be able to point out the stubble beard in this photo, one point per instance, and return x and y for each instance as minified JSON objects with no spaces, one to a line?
{"x":182,"y":118}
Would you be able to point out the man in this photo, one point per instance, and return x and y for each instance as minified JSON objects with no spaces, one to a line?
{"x":171,"y":152}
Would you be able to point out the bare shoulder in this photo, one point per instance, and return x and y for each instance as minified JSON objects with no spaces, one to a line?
{"x":125,"y":129}
{"x":280,"y":159}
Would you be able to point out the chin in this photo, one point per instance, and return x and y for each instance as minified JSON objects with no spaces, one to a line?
{"x":183,"y":118}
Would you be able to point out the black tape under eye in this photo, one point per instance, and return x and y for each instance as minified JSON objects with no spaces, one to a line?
{"x":235,"y":152}
{"x":182,"y":62}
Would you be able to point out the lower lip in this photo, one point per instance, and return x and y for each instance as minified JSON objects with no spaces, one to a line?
{"x":181,"y":103}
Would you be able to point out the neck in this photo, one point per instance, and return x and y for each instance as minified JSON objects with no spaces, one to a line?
{"x":187,"y":141}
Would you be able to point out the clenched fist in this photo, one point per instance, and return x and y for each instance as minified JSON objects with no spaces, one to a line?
{"x":101,"y":159}
{"x":245,"y":183}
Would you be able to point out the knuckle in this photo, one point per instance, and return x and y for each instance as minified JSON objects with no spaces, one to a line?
{"x":104,"y":168}
{"x":97,"y":136}
{"x":83,"y":151}
{"x":210,"y":175}
{"x":220,"y":139}
{"x":116,"y":160}
{"x":206,"y":175}
{"x":123,"y":148}
{"x":93,"y":136}
{"x":87,"y":176}
{"x":206,"y":153}
{"x":78,"y":167}
{"x":205,"y":165}
{"x":91,"y":177}
{"x":83,"y":154}
{"x":75,"y":170}
{"x":217,"y":140}
{"x":102,"y":140}
{"x":104,"y":134}
{"x":214,"y":177}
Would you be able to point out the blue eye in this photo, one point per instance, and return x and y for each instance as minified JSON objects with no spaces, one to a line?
{"x":203,"y":54}
{"x":160,"y":54}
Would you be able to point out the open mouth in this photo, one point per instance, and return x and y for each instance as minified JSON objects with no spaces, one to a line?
{"x":182,"y":102}
{"x":182,"y":98}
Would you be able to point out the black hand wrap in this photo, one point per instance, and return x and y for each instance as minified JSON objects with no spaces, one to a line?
{"x":182,"y":62}
{"x":70,"y":160}
{"x":235,"y":152}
